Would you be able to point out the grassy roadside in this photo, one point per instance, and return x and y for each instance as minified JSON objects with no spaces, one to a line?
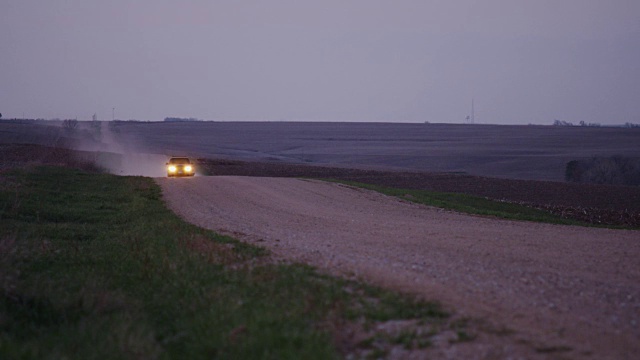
{"x":469,"y":204}
{"x":95,"y":266}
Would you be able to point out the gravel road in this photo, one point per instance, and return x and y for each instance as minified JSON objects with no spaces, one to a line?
{"x":559,"y":286}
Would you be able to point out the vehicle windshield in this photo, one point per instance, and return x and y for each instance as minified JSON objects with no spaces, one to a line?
{"x":179,"y":161}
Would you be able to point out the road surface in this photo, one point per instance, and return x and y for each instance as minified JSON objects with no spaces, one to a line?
{"x":560,"y":286}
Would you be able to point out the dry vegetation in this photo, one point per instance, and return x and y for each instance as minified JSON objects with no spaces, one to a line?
{"x":615,"y":170}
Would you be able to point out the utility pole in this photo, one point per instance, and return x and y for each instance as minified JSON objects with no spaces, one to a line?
{"x":113,"y":113}
{"x":473,"y":112}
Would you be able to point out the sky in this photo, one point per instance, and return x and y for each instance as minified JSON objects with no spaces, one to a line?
{"x":519,"y":61}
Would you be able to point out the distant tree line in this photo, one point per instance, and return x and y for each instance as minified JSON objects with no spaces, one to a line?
{"x":70,"y":124}
{"x":581,"y":123}
{"x":615,"y":170}
{"x":177,"y":119}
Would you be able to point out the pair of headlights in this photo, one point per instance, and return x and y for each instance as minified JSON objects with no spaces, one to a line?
{"x":173,"y":168}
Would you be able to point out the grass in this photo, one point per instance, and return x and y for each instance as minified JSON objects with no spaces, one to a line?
{"x":468,"y":204}
{"x":95,"y":266}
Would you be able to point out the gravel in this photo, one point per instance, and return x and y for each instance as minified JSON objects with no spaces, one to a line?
{"x":558,"y":287}
{"x":595,"y":204}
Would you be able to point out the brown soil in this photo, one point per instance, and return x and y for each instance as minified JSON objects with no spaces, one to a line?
{"x":21,"y":155}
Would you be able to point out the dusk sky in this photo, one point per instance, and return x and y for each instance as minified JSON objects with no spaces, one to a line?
{"x":523,"y":61}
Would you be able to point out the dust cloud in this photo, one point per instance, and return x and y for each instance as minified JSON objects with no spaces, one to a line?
{"x":119,"y":153}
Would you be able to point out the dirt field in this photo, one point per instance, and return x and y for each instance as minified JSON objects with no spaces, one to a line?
{"x":508,"y":152}
{"x":515,"y":152}
{"x":566,"y":291}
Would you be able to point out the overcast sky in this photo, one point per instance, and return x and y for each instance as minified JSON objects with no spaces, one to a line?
{"x":523,"y":61}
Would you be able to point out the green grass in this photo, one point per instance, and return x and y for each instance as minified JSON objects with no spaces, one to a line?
{"x":95,"y":266}
{"x":469,"y":204}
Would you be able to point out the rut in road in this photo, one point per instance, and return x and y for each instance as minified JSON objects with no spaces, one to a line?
{"x":560,"y":284}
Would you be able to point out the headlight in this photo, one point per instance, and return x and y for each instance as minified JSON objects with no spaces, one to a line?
{"x":172,"y":168}
{"x":188,"y":168}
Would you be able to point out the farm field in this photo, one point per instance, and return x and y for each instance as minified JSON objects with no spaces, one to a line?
{"x":514,"y":152}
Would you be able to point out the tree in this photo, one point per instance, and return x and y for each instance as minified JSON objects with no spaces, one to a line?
{"x":557,"y":122}
{"x":615,"y":170}
{"x":0,"y":115}
{"x":70,"y":124}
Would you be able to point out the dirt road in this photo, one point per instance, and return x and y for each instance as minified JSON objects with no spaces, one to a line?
{"x":557,"y":286}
